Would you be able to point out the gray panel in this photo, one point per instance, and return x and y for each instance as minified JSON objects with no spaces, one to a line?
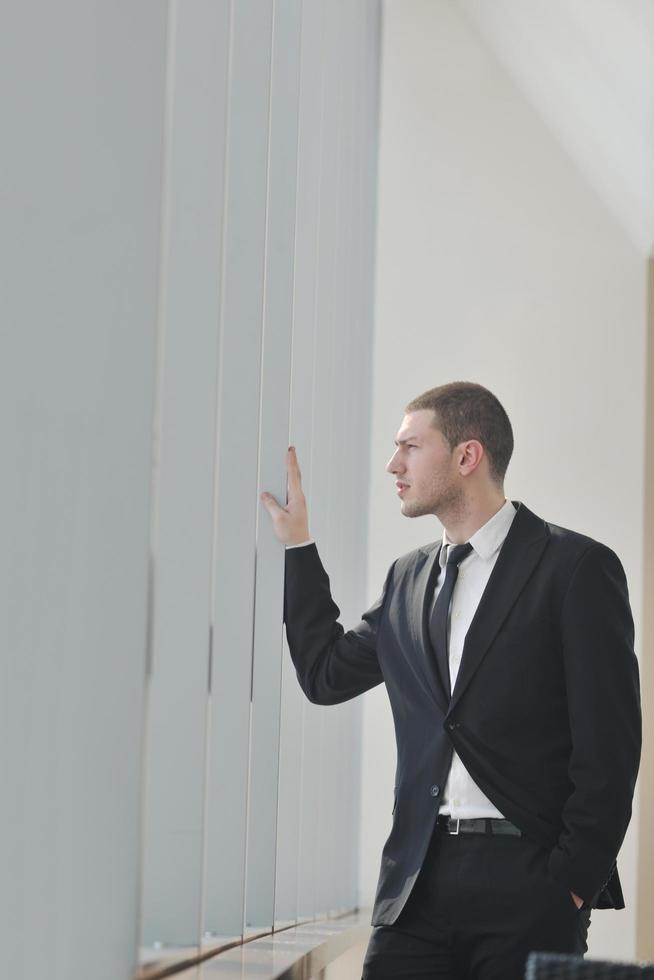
{"x":274,"y":428}
{"x":288,"y":798}
{"x":238,"y":435}
{"x":325,"y":434}
{"x":364,"y":223}
{"x":345,"y":421}
{"x":303,"y":402}
{"x":180,"y":660}
{"x":354,"y":509}
{"x":82,"y":88}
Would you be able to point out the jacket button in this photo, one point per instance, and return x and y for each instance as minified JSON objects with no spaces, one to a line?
{"x":452,"y":725}
{"x":435,"y":790}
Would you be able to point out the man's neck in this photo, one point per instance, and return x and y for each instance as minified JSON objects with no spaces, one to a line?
{"x":461,"y":524}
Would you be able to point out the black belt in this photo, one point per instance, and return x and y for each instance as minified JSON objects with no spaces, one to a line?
{"x":477,"y":825}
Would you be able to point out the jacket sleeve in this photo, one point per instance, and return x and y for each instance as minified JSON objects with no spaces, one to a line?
{"x":331,"y":665}
{"x":601,"y":676}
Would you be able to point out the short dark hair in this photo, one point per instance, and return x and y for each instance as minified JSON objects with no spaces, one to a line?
{"x":464,"y":410}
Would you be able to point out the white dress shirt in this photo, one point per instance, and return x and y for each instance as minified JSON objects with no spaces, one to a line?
{"x":462,"y":797}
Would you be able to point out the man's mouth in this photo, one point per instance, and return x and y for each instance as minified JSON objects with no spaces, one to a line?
{"x":401,"y":487}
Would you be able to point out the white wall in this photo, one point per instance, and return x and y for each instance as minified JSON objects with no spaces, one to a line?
{"x":587,"y":66}
{"x":498,"y":262}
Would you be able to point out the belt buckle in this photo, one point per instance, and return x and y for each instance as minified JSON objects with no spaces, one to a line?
{"x":454,"y":833}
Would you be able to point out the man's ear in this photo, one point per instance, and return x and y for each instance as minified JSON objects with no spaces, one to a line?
{"x":470,"y":454}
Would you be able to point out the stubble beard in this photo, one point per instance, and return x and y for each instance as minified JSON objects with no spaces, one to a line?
{"x":439,"y":501}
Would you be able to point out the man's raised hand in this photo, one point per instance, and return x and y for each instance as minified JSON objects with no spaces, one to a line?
{"x":290,"y":523}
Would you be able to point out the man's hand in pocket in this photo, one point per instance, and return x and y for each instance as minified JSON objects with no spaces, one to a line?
{"x":578,"y":901}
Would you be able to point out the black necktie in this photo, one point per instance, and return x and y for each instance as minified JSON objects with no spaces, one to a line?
{"x":438,"y":619}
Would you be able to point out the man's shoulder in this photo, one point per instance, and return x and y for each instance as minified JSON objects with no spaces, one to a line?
{"x":565,"y":537}
{"x":570,"y":546}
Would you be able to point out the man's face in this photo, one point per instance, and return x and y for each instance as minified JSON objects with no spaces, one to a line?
{"x":424,"y":466}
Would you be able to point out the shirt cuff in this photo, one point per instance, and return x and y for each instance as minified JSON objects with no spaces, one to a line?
{"x":301,"y":545}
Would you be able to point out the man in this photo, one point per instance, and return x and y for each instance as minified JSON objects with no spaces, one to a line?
{"x":507,"y":653}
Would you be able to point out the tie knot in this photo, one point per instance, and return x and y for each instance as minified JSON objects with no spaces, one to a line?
{"x":456,"y":554}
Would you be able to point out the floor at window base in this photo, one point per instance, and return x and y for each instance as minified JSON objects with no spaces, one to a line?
{"x":348,"y":966}
{"x":325,"y":949}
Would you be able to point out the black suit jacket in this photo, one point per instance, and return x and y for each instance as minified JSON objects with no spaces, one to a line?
{"x":545,"y":712}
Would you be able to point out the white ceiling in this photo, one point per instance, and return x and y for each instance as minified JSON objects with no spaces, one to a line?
{"x":587,"y":67}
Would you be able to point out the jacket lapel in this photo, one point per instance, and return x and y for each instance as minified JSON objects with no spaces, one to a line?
{"x":422,"y":594}
{"x":518,"y":557}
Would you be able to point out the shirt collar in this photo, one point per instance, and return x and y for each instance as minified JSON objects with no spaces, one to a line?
{"x":490,"y":536}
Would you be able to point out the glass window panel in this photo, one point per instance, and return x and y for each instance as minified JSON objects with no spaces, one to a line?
{"x":82,"y":106}
{"x":237,"y":486}
{"x":177,"y":696}
{"x":302,"y":417}
{"x":275,"y":397}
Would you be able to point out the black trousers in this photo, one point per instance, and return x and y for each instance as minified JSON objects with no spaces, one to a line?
{"x":480,"y":905}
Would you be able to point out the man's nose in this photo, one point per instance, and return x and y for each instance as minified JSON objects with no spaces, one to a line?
{"x":392,"y":465}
